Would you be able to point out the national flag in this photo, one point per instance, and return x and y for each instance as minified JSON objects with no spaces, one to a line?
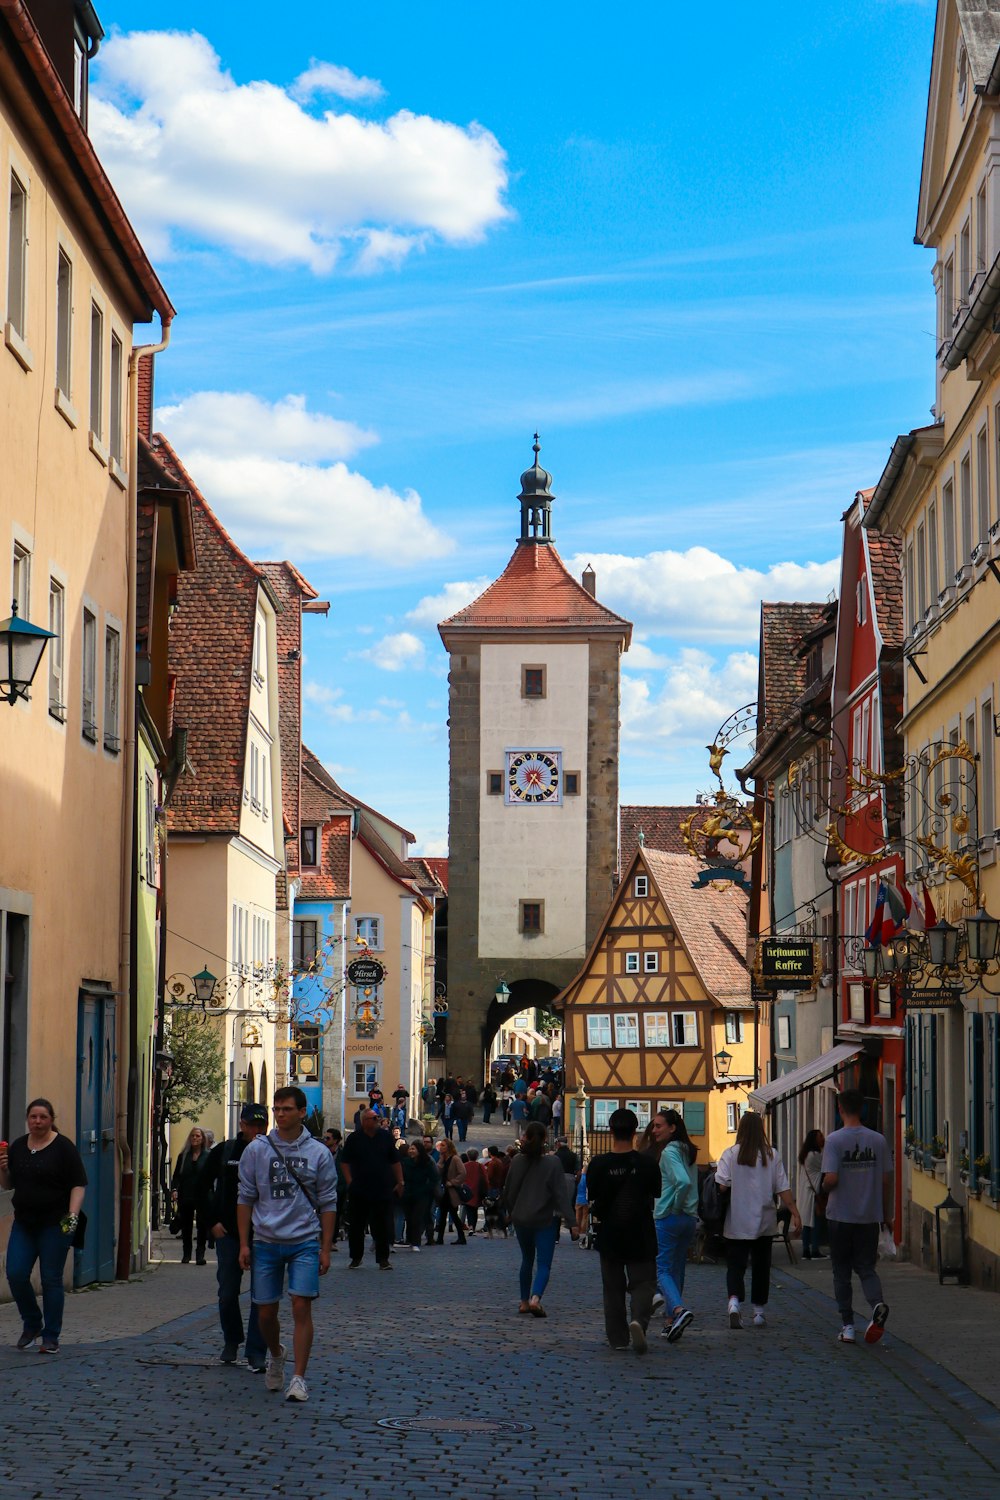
{"x":899,"y":904}
{"x":928,"y":916}
{"x":873,"y":933}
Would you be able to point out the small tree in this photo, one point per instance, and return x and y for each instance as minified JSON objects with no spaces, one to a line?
{"x":198,"y":1074}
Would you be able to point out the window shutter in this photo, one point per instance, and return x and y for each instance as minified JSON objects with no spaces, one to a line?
{"x":694,"y":1117}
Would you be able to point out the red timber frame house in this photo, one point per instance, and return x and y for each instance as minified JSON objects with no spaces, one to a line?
{"x":865,"y":845}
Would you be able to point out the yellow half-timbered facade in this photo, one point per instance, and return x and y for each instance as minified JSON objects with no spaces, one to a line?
{"x":664,"y":989}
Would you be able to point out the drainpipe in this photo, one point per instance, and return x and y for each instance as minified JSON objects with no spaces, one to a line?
{"x":128,"y":1040}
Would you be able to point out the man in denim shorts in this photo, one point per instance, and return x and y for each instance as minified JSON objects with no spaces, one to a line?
{"x":288,"y":1194}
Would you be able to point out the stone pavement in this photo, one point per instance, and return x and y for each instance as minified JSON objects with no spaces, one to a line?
{"x":137,"y":1405}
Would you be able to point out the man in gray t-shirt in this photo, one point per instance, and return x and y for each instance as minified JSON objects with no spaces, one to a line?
{"x":857,"y":1177}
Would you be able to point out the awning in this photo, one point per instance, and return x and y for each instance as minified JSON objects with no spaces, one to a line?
{"x":803,"y":1078}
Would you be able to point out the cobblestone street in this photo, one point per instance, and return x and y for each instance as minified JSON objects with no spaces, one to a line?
{"x":138,"y":1405}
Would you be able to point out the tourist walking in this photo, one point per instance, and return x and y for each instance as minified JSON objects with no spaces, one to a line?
{"x":187,"y":1193}
{"x":288,"y":1196}
{"x":448,"y":1120}
{"x":622,"y":1186}
{"x":752,"y":1174}
{"x":858,"y":1176}
{"x":535,"y":1196}
{"x":373,"y":1172}
{"x":478,"y":1185}
{"x":420,"y":1182}
{"x":463,"y":1110}
{"x":47,"y":1175}
{"x":807,"y":1192}
{"x":675,"y":1215}
{"x":452,"y":1170}
{"x":489,"y":1100}
{"x":220,"y":1189}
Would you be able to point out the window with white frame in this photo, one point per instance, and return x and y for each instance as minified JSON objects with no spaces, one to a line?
{"x":17,"y":256}
{"x":642,"y":1110}
{"x":368,"y":930}
{"x":631,"y":963}
{"x":856,"y":1002}
{"x":598,"y":1033}
{"x":603,"y":1110}
{"x":20,"y":588}
{"x":948,"y":531}
{"x":651,"y":963}
{"x":784,"y":1033}
{"x":265,"y":776}
{"x":987,"y":771}
{"x":674,"y":1104}
{"x":88,"y":684}
{"x":626,"y":1031}
{"x":112,"y":666}
{"x":933,"y":572}
{"x":640,"y":885}
{"x":57,"y":649}
{"x":965,"y":262}
{"x":96,"y":372}
{"x":365,"y":1074}
{"x":921,"y":581}
{"x":254,"y":776}
{"x":64,"y":325}
{"x":149,"y":853}
{"x":734,"y":1026}
{"x":861,"y":600}
{"x":732,"y":1118}
{"x":657,"y":1028}
{"x":965,"y":492}
{"x":258,"y":651}
{"x":684,"y":1024}
{"x":782,"y":815}
{"x":115,"y":445}
{"x":982,"y":230}
{"x":309,"y":846}
{"x":982,"y":484}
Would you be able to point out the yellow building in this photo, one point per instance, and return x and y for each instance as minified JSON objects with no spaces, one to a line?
{"x":73,"y":282}
{"x":664,"y":991}
{"x":939,"y":493}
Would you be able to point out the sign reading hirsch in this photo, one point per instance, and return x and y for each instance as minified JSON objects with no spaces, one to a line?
{"x":365,"y":972}
{"x":786,"y":963}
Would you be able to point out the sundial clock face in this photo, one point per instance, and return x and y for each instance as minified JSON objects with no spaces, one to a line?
{"x":534,"y":777}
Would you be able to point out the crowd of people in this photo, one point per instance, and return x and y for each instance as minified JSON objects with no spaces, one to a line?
{"x":279,"y":1203}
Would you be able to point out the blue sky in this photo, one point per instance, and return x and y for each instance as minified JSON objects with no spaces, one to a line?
{"x":400,"y":237}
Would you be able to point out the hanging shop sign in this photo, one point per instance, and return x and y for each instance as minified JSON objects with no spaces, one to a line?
{"x":787,"y":963}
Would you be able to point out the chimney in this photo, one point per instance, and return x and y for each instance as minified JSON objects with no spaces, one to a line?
{"x":589,"y":581}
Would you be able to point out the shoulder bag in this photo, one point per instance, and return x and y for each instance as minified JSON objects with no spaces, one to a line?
{"x":293,"y":1174}
{"x":822,"y":1199}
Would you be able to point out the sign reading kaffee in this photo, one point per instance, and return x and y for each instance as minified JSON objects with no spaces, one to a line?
{"x":786,"y":963}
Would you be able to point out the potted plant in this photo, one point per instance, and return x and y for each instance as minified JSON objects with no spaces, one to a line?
{"x":909,"y":1139}
{"x":963,"y":1166}
{"x":982,"y":1173}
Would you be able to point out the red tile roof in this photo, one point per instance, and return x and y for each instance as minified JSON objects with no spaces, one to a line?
{"x":211,"y":652}
{"x":660,"y":827}
{"x":711,"y":924}
{"x":885,"y":554}
{"x":535,"y":589}
{"x":439,"y":869}
{"x":349,"y":801}
{"x":782,"y":667}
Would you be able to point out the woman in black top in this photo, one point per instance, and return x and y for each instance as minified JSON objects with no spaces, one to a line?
{"x":187,"y":1189}
{"x":49,"y":1181}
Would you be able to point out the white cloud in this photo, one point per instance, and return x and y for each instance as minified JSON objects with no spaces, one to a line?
{"x":247,"y":167}
{"x":641,"y":658}
{"x":238,"y":422}
{"x":429,"y":611}
{"x":248,"y":458}
{"x":699,"y":594}
{"x":395,"y":652}
{"x":331,"y":78}
{"x":432,"y":845}
{"x":328,"y":703}
{"x":697,"y":694}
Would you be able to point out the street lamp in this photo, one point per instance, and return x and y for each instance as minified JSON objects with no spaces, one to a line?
{"x":723,"y":1062}
{"x":942,"y":942}
{"x":871,"y":959}
{"x":21,"y":648}
{"x":204,"y":986}
{"x":982,"y":932}
{"x":502,"y":993}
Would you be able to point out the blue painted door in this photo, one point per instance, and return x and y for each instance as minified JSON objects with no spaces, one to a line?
{"x":95,"y":1135}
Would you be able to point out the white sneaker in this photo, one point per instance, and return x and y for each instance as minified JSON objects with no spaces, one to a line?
{"x":735,"y":1321}
{"x":415,"y":1249}
{"x":846,"y":1334}
{"x":659,"y":1304}
{"x":759,"y":1320}
{"x":274,"y":1372}
{"x":297,"y":1389}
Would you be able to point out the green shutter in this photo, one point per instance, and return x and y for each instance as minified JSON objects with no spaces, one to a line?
{"x":694,"y":1118}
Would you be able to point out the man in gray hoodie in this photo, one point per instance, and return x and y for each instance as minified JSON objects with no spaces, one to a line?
{"x":288,"y":1194}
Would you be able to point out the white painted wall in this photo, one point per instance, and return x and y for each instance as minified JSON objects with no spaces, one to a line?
{"x":525,"y":852}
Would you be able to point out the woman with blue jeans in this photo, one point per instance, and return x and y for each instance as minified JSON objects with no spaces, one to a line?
{"x":536,"y":1197}
{"x":49,"y":1181}
{"x":675,"y":1216}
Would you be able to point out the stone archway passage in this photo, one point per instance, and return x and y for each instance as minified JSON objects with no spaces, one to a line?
{"x":525,"y":994}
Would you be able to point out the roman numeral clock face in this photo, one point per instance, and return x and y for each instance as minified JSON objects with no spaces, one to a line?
{"x":534,"y":777}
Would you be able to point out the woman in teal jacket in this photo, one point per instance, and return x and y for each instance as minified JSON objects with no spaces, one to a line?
{"x":675,"y":1216}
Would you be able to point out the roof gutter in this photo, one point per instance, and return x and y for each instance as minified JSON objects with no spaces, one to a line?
{"x":901,"y":449}
{"x":975,"y":319}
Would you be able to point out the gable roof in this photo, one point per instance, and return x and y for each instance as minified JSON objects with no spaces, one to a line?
{"x":535,"y":589}
{"x":974,"y":25}
{"x":438,"y":867}
{"x":660,"y":828}
{"x":323,"y":775}
{"x":782,"y":667}
{"x":211,"y":652}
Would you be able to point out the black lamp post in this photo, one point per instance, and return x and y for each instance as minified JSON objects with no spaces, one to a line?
{"x":942,"y":944}
{"x":723,"y":1062}
{"x":982,"y":933}
{"x":871,"y":958}
{"x":949,"y":1226}
{"x":21,"y":647}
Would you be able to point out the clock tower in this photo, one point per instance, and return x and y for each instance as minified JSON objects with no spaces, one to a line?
{"x":533,"y":811}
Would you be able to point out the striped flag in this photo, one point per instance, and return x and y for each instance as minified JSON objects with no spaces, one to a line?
{"x":899,"y":905}
{"x":873,"y":932}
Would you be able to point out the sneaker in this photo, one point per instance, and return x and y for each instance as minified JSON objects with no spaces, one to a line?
{"x":51,"y":1346}
{"x":274,"y":1373}
{"x":846,"y":1334}
{"x":876,"y":1327}
{"x":256,"y":1366}
{"x":354,"y":1265}
{"x":659,"y":1305}
{"x":637,"y":1335}
{"x":229,"y":1353}
{"x":735,"y":1321}
{"x":759,"y":1320}
{"x":415,"y":1249}
{"x":673,"y":1332}
{"x":385,"y":1265}
{"x":297,"y":1389}
{"x":26,"y":1340}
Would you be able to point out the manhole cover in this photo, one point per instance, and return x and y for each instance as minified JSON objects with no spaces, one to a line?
{"x":454,"y":1424}
{"x":203,"y":1361}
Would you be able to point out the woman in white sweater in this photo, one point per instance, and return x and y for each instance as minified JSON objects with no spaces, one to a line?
{"x":754,"y":1175}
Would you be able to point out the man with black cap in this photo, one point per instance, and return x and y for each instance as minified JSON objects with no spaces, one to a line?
{"x":220,"y":1183}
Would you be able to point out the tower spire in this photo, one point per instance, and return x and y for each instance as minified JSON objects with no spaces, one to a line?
{"x":536,"y":499}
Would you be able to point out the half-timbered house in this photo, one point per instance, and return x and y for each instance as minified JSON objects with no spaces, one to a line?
{"x":664,"y":990}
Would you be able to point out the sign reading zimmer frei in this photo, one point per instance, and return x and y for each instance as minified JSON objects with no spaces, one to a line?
{"x":786,"y":963}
